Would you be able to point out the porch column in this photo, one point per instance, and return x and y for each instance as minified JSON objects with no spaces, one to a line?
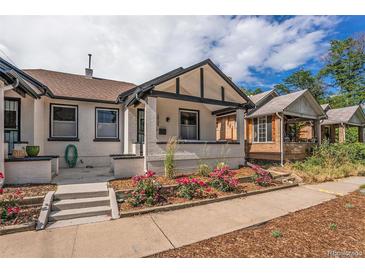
{"x":332,"y":134}
{"x":150,"y":128}
{"x":341,"y":133}
{"x":240,"y":120}
{"x":318,"y":131}
{"x":361,"y":134}
{"x":2,"y":169}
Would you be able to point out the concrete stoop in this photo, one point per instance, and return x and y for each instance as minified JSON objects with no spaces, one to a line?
{"x":75,"y":204}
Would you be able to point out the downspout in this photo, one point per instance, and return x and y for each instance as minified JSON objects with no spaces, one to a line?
{"x":281,"y":138}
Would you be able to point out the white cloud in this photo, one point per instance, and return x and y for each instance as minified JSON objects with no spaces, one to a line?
{"x":136,"y":48}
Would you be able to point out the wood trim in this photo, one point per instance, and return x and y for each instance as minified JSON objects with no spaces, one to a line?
{"x":202,"y":82}
{"x":177,"y":85}
{"x":222,"y":93}
{"x":103,"y":139}
{"x":189,"y":98}
{"x":84,"y":99}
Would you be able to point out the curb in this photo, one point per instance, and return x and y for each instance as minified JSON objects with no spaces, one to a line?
{"x":17,"y":228}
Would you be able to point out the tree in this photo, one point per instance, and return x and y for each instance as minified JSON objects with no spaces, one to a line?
{"x":252,"y":91}
{"x":345,"y":65}
{"x":302,"y":79}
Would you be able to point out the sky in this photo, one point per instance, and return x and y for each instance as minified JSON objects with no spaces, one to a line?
{"x":256,"y":51}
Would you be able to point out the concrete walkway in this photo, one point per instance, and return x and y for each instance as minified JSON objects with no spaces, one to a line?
{"x":148,"y":234}
{"x":83,"y":175}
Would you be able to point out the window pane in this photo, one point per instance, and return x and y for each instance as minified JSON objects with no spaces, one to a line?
{"x":255,"y":135}
{"x":64,"y":129}
{"x":107,"y":116}
{"x":269,"y":128}
{"x":262,"y":129}
{"x":64,"y":113}
{"x":189,"y":125}
{"x":107,"y":123}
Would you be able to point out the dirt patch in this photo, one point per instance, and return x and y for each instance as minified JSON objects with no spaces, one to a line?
{"x":30,"y":190}
{"x":332,"y":229}
{"x":26,"y":215}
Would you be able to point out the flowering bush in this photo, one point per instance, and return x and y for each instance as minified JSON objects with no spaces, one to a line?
{"x":1,"y":180}
{"x":262,"y":176}
{"x":9,"y":204}
{"x":222,"y":179}
{"x":147,"y":191}
{"x":190,"y":188}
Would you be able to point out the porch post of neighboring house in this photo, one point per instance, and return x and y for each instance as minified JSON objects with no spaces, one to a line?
{"x":361,"y":134}
{"x":318,"y":131}
{"x":332,"y":133}
{"x":2,"y":169}
{"x":341,"y":133}
{"x":241,"y":130}
{"x":150,"y":126}
{"x":282,"y":139}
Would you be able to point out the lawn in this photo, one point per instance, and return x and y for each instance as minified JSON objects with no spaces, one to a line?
{"x":332,"y":229}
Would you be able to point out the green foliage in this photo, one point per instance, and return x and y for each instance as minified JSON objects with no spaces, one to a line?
{"x":302,"y":79}
{"x":345,"y":64}
{"x":330,"y":161}
{"x":349,"y":205}
{"x":276,"y":234}
{"x":190,"y":188}
{"x":169,"y":158}
{"x":252,"y":91}
{"x":204,"y":170}
{"x":333,"y":226}
{"x":352,"y":134}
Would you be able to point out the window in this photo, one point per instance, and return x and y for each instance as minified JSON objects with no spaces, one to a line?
{"x":189,"y":125}
{"x":64,"y":121}
{"x":140,"y":126}
{"x":262,"y":129}
{"x":107,"y":123}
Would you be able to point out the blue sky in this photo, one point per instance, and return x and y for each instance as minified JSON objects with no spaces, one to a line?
{"x":254,"y":51}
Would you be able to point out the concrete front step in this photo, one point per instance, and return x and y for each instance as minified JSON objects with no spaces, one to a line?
{"x":80,"y":203}
{"x":79,"y":213}
{"x":78,"y":221}
{"x":76,"y":191}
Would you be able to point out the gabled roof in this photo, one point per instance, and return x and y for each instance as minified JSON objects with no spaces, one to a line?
{"x":66,"y":85}
{"x":23,"y":83}
{"x":149,"y":85}
{"x":326,"y":107}
{"x":282,"y":103}
{"x":344,"y":115}
{"x":261,"y":96}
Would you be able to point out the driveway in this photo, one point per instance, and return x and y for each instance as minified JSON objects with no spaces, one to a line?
{"x":145,"y":235}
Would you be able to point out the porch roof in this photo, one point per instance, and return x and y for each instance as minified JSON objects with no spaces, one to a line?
{"x":353,"y":115}
{"x":257,"y":98}
{"x":129,"y":97}
{"x":284,"y":103}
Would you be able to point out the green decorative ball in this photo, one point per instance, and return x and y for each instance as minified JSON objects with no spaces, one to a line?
{"x":32,"y":151}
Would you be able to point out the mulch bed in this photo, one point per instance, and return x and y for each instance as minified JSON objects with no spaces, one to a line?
{"x":333,"y":229}
{"x":213,"y":193}
{"x":123,"y":184}
{"x":31,"y":190}
{"x":26,"y":215}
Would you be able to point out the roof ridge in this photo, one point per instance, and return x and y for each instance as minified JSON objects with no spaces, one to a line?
{"x":80,"y":75}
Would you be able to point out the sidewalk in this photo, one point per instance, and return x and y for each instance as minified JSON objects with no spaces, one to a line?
{"x":148,"y":234}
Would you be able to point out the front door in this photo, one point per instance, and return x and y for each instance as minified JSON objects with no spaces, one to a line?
{"x":12,"y":121}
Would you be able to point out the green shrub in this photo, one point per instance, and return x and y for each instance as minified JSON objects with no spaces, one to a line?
{"x":204,"y":170}
{"x":333,"y":226}
{"x":276,"y":234}
{"x":331,"y":161}
{"x":169,"y":159}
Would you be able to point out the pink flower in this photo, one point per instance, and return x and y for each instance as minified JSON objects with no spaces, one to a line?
{"x":149,"y":174}
{"x":1,"y":175}
{"x":1,"y":191}
{"x":18,"y":192}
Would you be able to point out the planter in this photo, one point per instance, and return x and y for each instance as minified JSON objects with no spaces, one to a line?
{"x":17,"y":228}
{"x":32,"y":151}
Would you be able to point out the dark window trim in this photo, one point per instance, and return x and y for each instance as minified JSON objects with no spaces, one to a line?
{"x":191,"y":110}
{"x":222,"y":93}
{"x":177,"y":85}
{"x":19,"y":114}
{"x":52,"y":138}
{"x":106,"y":139}
{"x":138,"y":111}
{"x":202,"y":82}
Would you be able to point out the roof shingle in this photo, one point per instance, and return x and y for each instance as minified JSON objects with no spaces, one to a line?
{"x":79,"y":86}
{"x":340,"y":115}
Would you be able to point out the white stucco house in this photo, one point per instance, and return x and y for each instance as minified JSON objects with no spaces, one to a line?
{"x":115,"y":123}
